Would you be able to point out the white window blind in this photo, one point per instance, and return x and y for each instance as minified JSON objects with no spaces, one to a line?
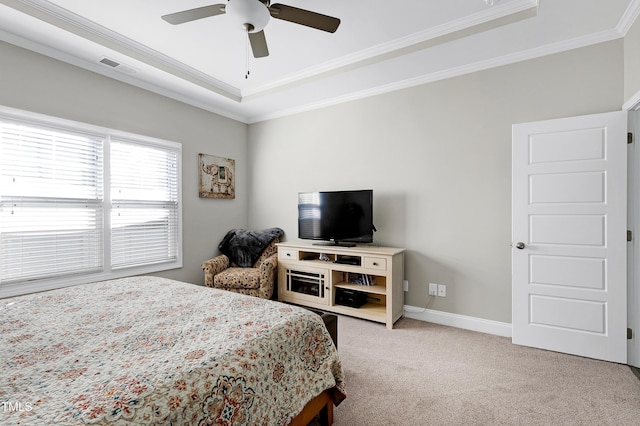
{"x":80,"y":203}
{"x":144,"y":193}
{"x":51,"y":207}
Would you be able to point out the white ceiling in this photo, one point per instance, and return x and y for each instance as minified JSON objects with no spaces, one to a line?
{"x":380,"y":45}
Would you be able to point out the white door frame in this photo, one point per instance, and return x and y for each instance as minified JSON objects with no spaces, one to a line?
{"x":633,"y":285}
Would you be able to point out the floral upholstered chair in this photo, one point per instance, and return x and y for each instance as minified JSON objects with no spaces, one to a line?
{"x":248,"y":263}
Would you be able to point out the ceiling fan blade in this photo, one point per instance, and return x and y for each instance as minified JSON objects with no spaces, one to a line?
{"x":258,"y":44}
{"x":304,"y":17}
{"x":194,"y":14}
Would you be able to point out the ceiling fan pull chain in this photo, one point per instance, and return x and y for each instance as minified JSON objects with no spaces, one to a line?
{"x":246,"y":76}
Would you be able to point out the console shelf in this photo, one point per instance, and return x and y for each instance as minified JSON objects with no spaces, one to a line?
{"x":373,"y":289}
{"x":361,"y":281}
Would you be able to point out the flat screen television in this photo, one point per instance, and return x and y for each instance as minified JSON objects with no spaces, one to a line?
{"x":336,"y":217}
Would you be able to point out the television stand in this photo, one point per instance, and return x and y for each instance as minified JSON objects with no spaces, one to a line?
{"x":363,"y":281}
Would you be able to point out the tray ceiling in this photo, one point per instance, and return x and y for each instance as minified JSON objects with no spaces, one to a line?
{"x":379,"y":46}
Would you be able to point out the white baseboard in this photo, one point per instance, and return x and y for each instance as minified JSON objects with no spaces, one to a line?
{"x":460,"y":321}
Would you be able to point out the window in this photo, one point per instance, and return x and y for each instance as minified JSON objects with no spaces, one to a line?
{"x":144,"y":213}
{"x":79,"y":203}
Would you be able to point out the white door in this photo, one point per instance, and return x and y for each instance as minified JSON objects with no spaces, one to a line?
{"x":569,"y":235}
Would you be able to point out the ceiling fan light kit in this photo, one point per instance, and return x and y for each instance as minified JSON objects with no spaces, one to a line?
{"x":254,"y":15}
{"x":250,"y":14}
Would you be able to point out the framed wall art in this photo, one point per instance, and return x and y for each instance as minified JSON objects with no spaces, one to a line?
{"x":217,"y":176}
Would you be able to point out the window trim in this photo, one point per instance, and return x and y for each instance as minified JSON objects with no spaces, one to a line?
{"x":31,"y":286}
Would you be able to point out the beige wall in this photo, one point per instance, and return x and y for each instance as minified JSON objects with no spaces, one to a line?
{"x":36,"y":83}
{"x":632,"y":61}
{"x":438,"y":158}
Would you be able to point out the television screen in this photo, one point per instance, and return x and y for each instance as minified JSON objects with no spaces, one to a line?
{"x":336,"y":217}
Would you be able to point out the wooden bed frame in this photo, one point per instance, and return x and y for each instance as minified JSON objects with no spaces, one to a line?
{"x":321,"y":405}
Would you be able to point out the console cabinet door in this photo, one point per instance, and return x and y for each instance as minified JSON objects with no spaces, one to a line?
{"x":299,"y":284}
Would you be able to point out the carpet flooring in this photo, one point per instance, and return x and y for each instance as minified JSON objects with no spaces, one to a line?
{"x":426,"y":374}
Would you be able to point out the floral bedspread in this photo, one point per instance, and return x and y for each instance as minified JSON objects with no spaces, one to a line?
{"x":146,"y":350}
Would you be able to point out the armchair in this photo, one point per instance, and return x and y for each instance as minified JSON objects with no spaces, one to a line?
{"x":237,"y":268}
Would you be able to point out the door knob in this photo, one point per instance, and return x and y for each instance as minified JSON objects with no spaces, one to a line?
{"x":520,"y":245}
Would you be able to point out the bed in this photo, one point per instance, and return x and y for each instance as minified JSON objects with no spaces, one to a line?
{"x":149,"y":350}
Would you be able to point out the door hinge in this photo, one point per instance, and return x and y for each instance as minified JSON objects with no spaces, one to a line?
{"x":629,"y":137}
{"x":629,"y":236}
{"x":629,"y":334}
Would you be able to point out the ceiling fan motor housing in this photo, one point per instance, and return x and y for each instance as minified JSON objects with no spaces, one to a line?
{"x":252,"y":15}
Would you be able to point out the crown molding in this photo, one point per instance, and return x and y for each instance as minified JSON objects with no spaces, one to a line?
{"x":116,"y":75}
{"x":61,"y":18}
{"x":498,"y":14}
{"x":66,"y":20}
{"x":550,"y":49}
{"x":82,"y":27}
{"x":628,"y":17}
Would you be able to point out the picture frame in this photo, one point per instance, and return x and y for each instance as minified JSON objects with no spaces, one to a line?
{"x":216,"y":176}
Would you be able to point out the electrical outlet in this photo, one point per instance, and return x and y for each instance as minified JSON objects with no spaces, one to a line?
{"x":442,"y":290}
{"x":433,"y":289}
{"x":405,"y":285}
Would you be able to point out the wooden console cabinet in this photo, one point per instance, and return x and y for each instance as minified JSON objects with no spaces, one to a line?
{"x":337,"y":279}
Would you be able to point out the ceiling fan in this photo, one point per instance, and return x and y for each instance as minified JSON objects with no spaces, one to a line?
{"x":254,"y":15}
